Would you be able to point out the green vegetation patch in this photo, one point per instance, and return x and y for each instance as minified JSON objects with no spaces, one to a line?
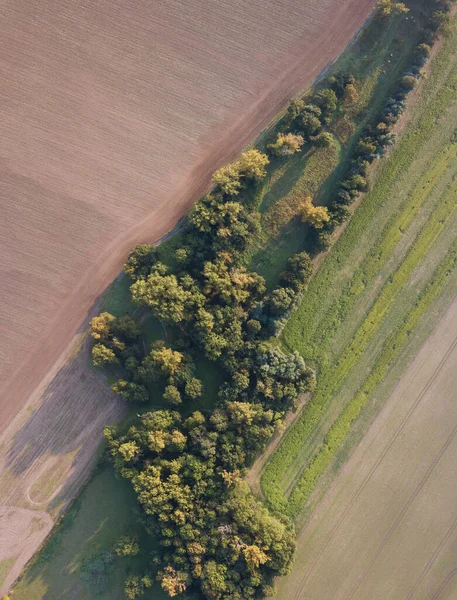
{"x":312,"y":327}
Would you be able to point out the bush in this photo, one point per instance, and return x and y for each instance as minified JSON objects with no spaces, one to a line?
{"x":323,"y":140}
{"x":140,"y":261}
{"x":408,"y":82}
{"x":286,"y":144}
{"x":127,"y":546}
{"x":423,"y":51}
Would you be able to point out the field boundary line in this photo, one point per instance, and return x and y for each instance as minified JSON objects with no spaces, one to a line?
{"x":432,"y":560}
{"x":403,"y":511}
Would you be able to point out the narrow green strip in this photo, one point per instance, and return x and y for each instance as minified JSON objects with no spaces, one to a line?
{"x":391,"y":350}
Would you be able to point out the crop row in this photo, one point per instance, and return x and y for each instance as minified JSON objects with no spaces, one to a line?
{"x":303,"y":323}
{"x":391,"y":350}
{"x":382,"y":252}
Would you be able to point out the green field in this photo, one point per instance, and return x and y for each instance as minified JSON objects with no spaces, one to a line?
{"x":396,"y":249}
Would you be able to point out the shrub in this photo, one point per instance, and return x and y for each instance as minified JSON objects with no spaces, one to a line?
{"x":350,"y":94}
{"x":140,"y":261}
{"x":323,"y":140}
{"x":408,"y":82}
{"x":315,"y":215}
{"x":286,"y":144}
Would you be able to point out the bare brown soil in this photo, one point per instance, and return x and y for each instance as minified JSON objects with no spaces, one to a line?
{"x":113,"y":115}
{"x":387,"y":529}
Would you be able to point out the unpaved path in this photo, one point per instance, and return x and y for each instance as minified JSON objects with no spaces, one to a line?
{"x":387,"y":529}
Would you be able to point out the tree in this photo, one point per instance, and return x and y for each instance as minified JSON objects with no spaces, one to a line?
{"x":387,"y":8}
{"x":440,"y":20}
{"x":423,"y":50}
{"x":163,"y":293}
{"x":252,"y":163}
{"x":101,"y":326}
{"x":287,"y":144}
{"x":310,"y":122}
{"x":227,"y":226}
{"x":350,"y":94}
{"x":326,"y":100}
{"x":131,"y":391}
{"x":254,"y":557}
{"x":127,"y":545}
{"x":194,"y":388}
{"x":294,"y":110}
{"x":214,"y":580}
{"x":140,"y":261}
{"x":227,"y":180}
{"x":102,"y":355}
{"x":298,"y":271}
{"x":126,"y":328}
{"x":280,"y":301}
{"x":172,"y":395}
{"x":165,"y":360}
{"x":315,"y":215}
{"x":173,"y":582}
{"x":135,"y":586}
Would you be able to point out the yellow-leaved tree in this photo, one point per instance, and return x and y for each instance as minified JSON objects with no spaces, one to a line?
{"x":386,"y":8}
{"x":316,"y":215}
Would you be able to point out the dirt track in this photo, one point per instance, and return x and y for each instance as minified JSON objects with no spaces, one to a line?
{"x":387,"y":529}
{"x":113,"y":115}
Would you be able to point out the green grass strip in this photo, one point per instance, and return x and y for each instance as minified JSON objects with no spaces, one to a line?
{"x":382,"y":252}
{"x":333,"y":376}
{"x":391,"y":350}
{"x":435,"y":104}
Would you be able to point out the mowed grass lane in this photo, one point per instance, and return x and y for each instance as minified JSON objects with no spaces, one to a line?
{"x":422,"y":163}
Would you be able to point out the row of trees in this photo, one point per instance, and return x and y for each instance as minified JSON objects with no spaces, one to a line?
{"x":217,"y":541}
{"x":377,"y":138}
